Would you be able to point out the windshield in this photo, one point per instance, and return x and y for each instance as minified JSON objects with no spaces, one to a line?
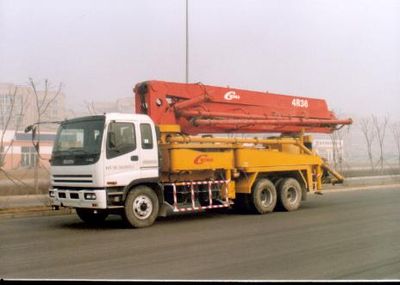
{"x":78,"y":141}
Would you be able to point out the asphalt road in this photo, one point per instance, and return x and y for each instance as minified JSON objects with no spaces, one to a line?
{"x":341,"y":235}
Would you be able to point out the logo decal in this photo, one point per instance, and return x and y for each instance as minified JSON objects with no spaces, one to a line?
{"x":68,"y":161}
{"x":202,"y":159}
{"x":231,"y":95}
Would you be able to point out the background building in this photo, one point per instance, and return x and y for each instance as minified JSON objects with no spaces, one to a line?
{"x":121,"y":105}
{"x":19,"y":152}
{"x":19,"y":107}
{"x":331,"y":150}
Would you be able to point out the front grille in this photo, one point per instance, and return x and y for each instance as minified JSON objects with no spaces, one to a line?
{"x":72,"y":175}
{"x":73,"y":178}
{"x":77,"y":188}
{"x":71,"y":181}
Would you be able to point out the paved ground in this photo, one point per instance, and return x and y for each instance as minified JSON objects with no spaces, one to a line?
{"x":15,"y":203}
{"x":340,"y":235}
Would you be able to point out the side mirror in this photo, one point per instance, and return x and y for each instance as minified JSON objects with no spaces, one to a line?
{"x":33,"y":129}
{"x":33,"y":133}
{"x":28,"y":128}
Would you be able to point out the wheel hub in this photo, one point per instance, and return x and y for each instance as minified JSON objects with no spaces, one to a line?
{"x":291,"y":195}
{"x":142,"y":207}
{"x":266,"y":197}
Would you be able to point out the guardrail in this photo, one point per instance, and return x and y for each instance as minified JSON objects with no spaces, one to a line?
{"x":372,"y":180}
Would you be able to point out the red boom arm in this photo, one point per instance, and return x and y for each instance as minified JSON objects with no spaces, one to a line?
{"x":199,"y":108}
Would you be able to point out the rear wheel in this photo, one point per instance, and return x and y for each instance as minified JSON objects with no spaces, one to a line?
{"x":289,"y":194}
{"x":91,"y":216}
{"x":141,"y":207}
{"x":263,"y":196}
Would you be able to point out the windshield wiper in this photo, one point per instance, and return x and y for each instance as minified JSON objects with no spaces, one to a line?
{"x":62,"y":152}
{"x":82,"y":151}
{"x":75,"y":150}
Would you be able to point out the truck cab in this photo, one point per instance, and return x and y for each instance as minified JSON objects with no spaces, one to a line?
{"x":97,"y":159}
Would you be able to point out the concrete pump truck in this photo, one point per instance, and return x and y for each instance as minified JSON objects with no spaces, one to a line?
{"x":178,"y":153}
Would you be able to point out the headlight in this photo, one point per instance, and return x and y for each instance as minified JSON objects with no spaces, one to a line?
{"x":90,"y":196}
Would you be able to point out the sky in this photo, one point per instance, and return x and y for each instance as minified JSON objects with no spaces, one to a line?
{"x":346,"y":52}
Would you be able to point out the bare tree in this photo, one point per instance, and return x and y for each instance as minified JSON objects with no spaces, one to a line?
{"x":9,"y":111}
{"x":369,"y":136}
{"x":380,"y":127}
{"x":337,"y":138}
{"x":91,"y":108}
{"x":11,"y":115}
{"x":396,"y":135}
{"x":71,"y":113}
{"x":43,"y":101}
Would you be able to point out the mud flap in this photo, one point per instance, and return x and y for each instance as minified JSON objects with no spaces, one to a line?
{"x":165,"y":210}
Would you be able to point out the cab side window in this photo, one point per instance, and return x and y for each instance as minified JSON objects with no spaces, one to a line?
{"x":121,"y":139}
{"x":147,"y":137}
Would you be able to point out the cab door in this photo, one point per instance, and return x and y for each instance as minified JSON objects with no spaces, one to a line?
{"x":149,"y":161}
{"x":122,"y":164}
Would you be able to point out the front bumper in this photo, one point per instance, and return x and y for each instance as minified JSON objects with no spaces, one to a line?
{"x":84,"y":198}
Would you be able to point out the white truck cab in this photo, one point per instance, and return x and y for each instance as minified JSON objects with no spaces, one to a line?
{"x":97,"y":159}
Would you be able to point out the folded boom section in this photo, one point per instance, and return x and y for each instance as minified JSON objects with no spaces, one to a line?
{"x":199,"y":108}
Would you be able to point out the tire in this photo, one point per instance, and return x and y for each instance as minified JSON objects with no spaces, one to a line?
{"x":289,"y":195}
{"x":263,"y":197}
{"x":141,"y":207}
{"x":91,"y":216}
{"x":277,"y":182}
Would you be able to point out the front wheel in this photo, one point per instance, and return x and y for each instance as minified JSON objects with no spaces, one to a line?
{"x":91,"y":216}
{"x":141,"y":207}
